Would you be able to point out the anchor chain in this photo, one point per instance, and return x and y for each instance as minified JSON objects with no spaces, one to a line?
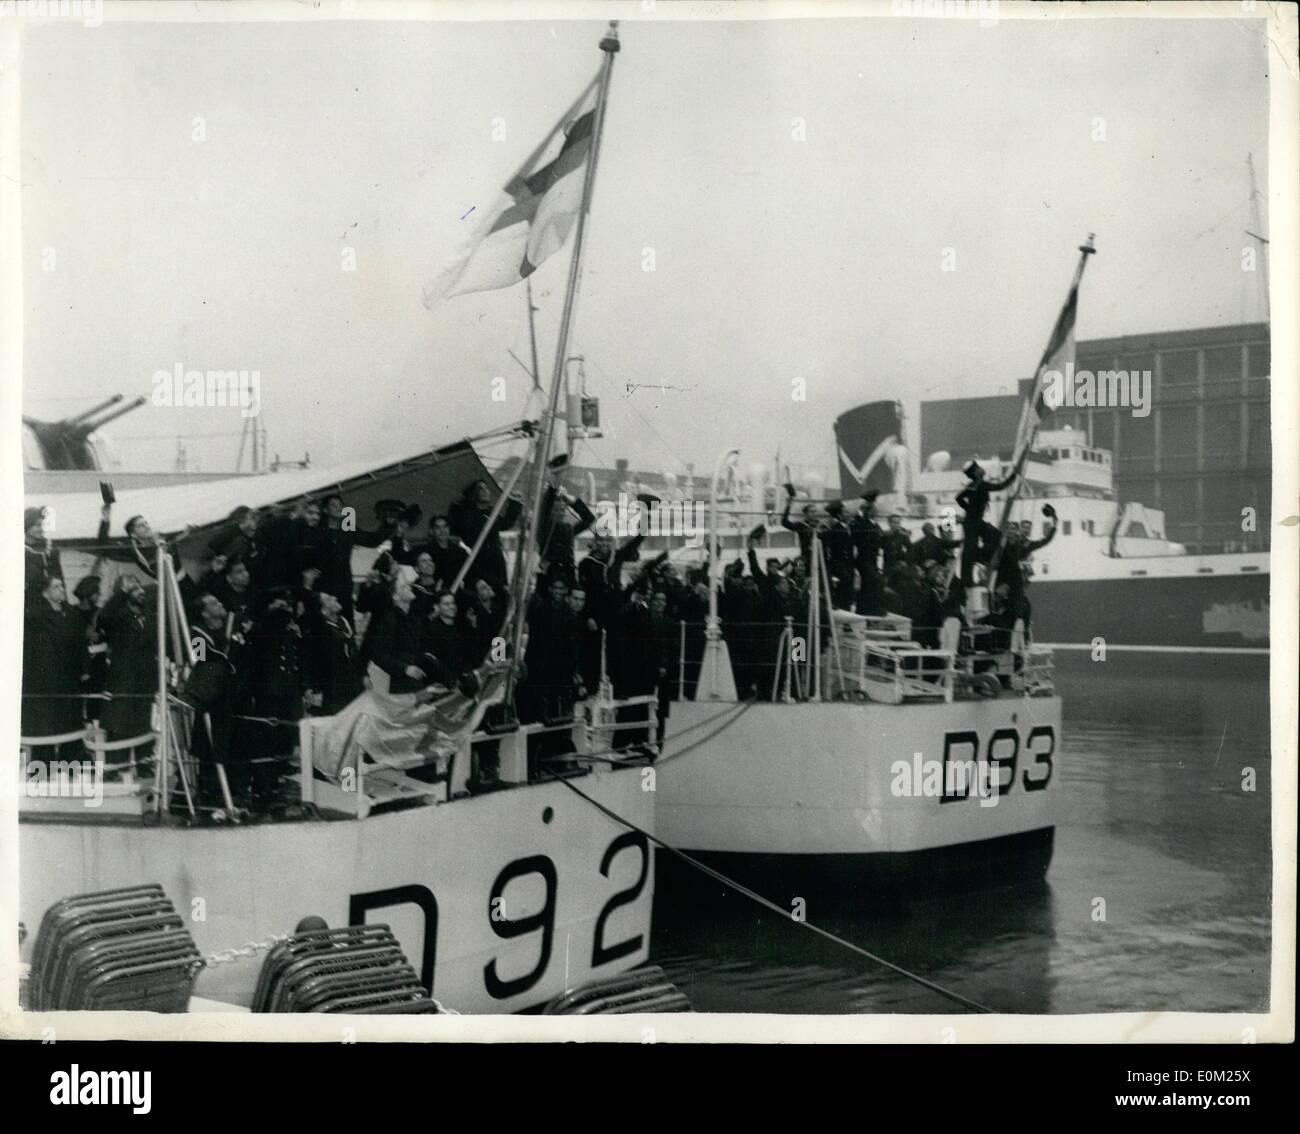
{"x":240,"y":953}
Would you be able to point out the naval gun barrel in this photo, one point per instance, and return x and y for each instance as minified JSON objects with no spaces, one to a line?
{"x":85,"y":426}
{"x":77,"y":419}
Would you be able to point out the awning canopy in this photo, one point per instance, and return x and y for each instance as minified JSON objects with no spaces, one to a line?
{"x":432,"y":479}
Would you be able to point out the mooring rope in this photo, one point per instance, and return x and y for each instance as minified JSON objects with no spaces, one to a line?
{"x":768,"y":904}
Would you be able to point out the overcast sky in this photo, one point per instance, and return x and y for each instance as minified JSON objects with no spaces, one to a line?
{"x":775,"y":258}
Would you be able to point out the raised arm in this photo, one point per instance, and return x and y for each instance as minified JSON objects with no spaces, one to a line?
{"x":1006,"y":482}
{"x":586,"y":517}
{"x":1034,"y":545}
{"x":786,"y":522}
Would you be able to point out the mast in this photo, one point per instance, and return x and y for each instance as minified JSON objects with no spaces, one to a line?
{"x":716,"y":683}
{"x":1257,"y":224}
{"x":532,"y":335}
{"x":526,"y":558}
{"x":1029,"y":417}
{"x":163,"y":744}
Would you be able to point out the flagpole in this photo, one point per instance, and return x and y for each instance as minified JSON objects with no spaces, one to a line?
{"x":1028,"y":429}
{"x":523,"y":583}
{"x":532,"y":336}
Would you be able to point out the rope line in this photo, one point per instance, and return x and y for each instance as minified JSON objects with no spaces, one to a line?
{"x":766,"y":903}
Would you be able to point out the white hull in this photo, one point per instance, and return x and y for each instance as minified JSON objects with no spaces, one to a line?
{"x":825,"y":780}
{"x":577,"y":887}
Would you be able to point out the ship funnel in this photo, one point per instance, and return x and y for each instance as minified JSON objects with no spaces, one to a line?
{"x":870,"y":449}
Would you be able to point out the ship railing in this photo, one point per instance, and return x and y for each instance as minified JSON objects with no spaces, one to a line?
{"x":600,"y":724}
{"x":884,"y":658}
{"x":365,"y":780}
{"x":98,"y":777}
{"x":900,"y":671}
{"x":993,"y":659}
{"x":489,"y":758}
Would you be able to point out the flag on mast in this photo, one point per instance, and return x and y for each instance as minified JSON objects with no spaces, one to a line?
{"x":1057,"y":361}
{"x":534,"y":214}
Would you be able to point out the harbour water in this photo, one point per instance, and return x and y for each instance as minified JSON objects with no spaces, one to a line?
{"x":1155,"y":822}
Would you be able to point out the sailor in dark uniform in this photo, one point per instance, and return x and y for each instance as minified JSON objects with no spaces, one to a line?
{"x":236,"y":539}
{"x":330,"y":649}
{"x":235,"y":590}
{"x":980,"y":537}
{"x":446,"y":551}
{"x":41,"y":558}
{"x":211,"y":689}
{"x":482,"y":615}
{"x":276,"y":680}
{"x":600,"y":575}
{"x":445,"y":648}
{"x":549,"y":659}
{"x":426,"y":584}
{"x":52,"y":653}
{"x":897,"y":543}
{"x":637,"y":671}
{"x":930,"y":548}
{"x":337,"y":539}
{"x":802,"y":528}
{"x":777,"y":602}
{"x":943,"y":601}
{"x":139,"y":551}
{"x":564,"y":517}
{"x":288,"y":542}
{"x":130,"y":630}
{"x":837,"y":540}
{"x":868,"y":542}
{"x":468,"y":516}
{"x":586,"y":633}
{"x":405,"y":548}
{"x":395,"y":640}
{"x":665,"y":642}
{"x":94,"y":657}
{"x":1014,"y":568}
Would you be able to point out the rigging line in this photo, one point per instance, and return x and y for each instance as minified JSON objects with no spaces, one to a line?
{"x":1218,"y":223}
{"x":717,"y":876}
{"x":737,"y":710}
{"x":646,"y":421}
{"x":611,"y":755}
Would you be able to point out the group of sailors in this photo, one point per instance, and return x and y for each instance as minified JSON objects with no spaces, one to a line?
{"x":278,"y":629}
{"x":272,"y":614}
{"x":876,"y":570}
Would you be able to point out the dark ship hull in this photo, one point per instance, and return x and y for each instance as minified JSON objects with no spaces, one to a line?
{"x":1186,"y":613}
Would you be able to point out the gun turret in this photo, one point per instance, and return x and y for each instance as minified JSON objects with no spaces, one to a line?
{"x":64,"y":444}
